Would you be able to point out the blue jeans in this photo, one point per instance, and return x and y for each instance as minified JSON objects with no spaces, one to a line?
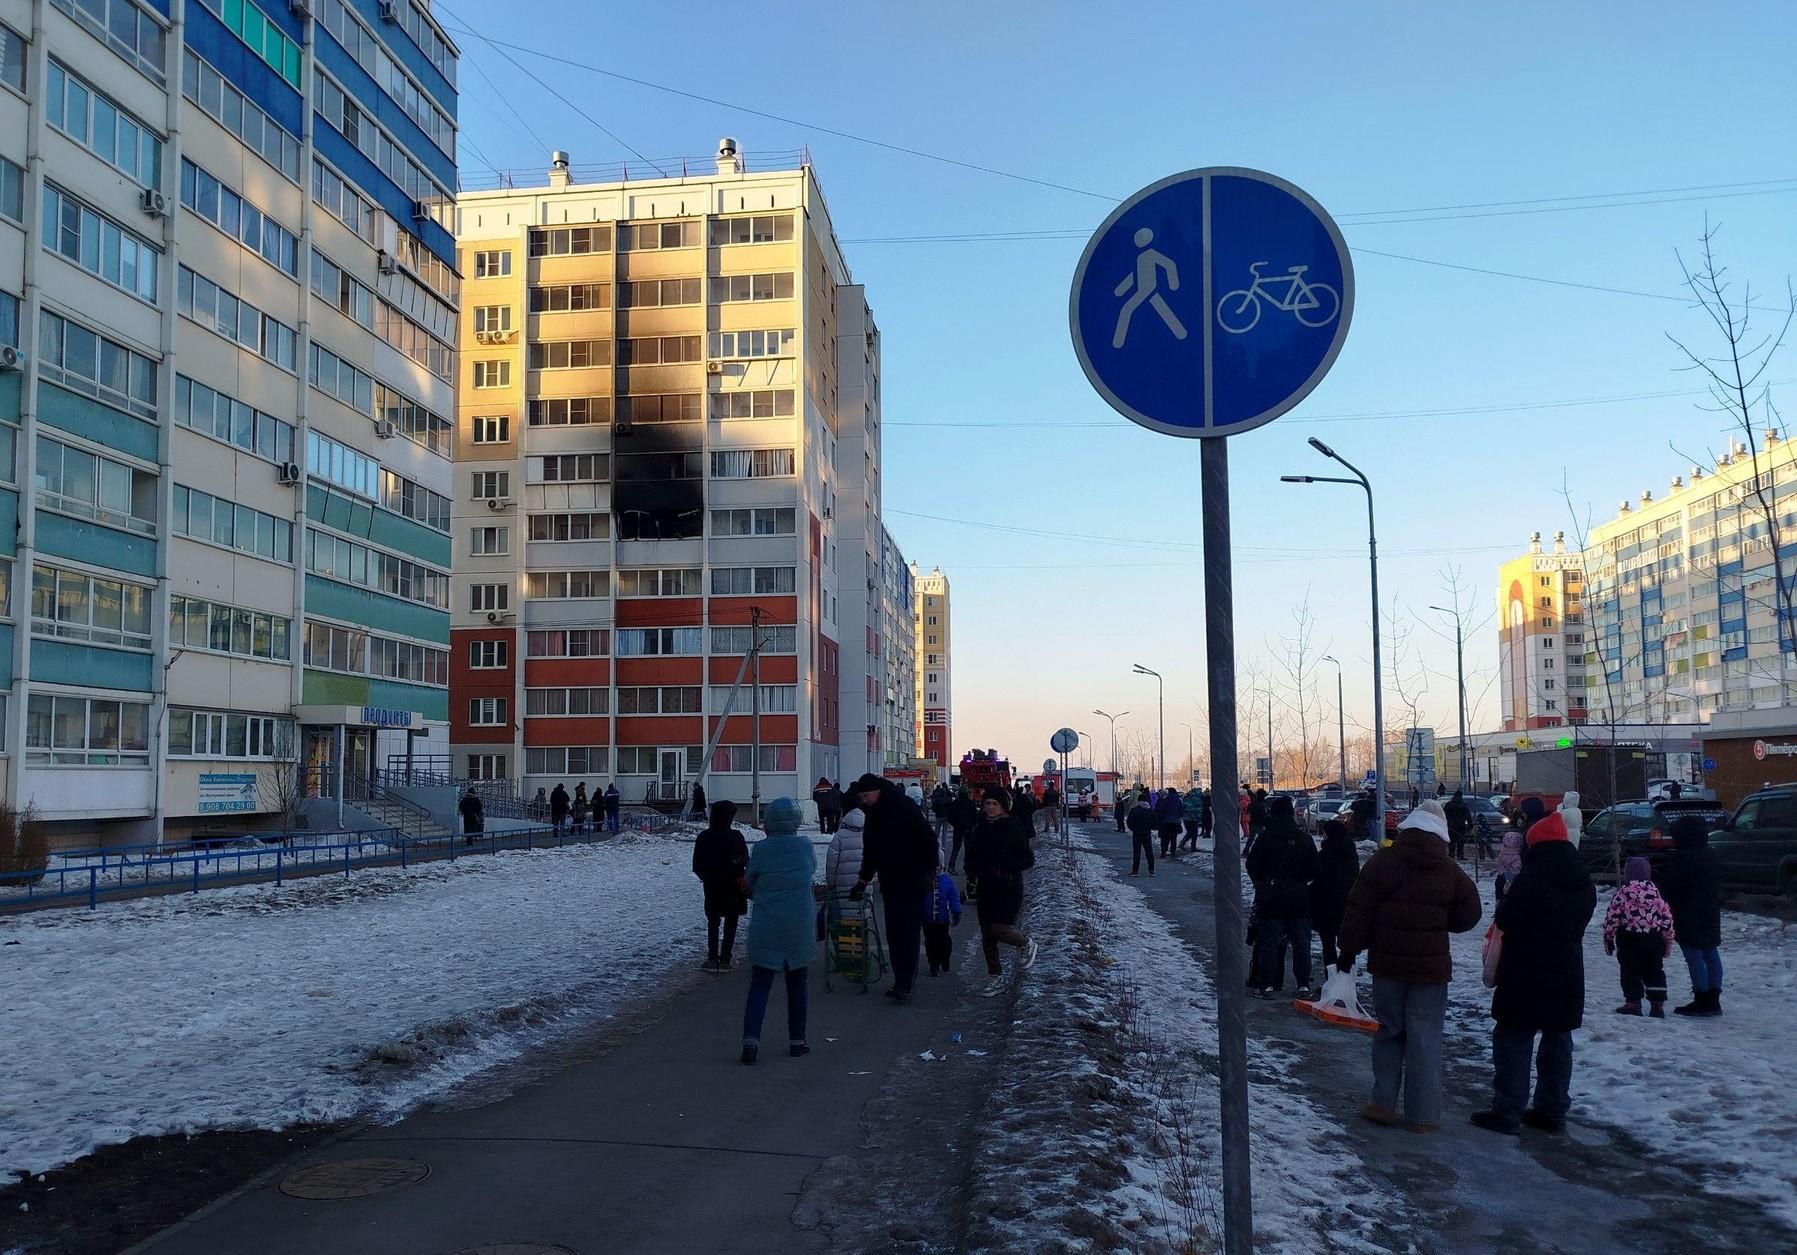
{"x":1510,"y":1073}
{"x":1407,"y":1048}
{"x":1297,"y":933}
{"x":761,"y":984}
{"x":611,"y":821}
{"x":1705,"y":964}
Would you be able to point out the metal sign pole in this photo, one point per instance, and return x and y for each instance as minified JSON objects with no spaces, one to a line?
{"x":1226,"y":849}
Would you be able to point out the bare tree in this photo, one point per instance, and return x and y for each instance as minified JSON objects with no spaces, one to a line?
{"x":1406,"y":675}
{"x":283,"y":788}
{"x":1296,"y":659}
{"x":1452,"y":594}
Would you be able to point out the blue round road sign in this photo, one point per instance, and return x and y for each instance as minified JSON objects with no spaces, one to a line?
{"x":1211,"y":302}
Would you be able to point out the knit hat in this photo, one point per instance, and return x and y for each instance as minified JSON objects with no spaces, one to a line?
{"x":1279,"y":807}
{"x":1547,"y":828}
{"x":1637,"y":868}
{"x":869,"y":783}
{"x":998,"y":793}
{"x":1427,"y":817}
{"x":854,"y":821}
{"x":781,"y":819}
{"x":722,"y":812}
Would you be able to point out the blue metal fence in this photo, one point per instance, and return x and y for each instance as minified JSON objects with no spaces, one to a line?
{"x":90,"y":876}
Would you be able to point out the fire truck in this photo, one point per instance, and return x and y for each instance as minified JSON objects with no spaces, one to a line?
{"x":982,"y":769}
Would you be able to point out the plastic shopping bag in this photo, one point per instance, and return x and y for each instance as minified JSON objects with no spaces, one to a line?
{"x":1339,"y":1003}
{"x":1494,"y":948}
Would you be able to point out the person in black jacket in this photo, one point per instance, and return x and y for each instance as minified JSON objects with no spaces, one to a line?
{"x":1691,"y":883}
{"x":1141,"y":833}
{"x":1540,"y":982}
{"x":1023,"y":806}
{"x":963,"y":814}
{"x":1460,"y":822}
{"x":558,"y":805}
{"x":1258,"y":814}
{"x":698,"y":800}
{"x":1282,"y":865}
{"x":828,"y":800}
{"x":998,"y":853}
{"x":900,"y":849}
{"x":1338,"y":863}
{"x":474,"y":815}
{"x":720,"y":861}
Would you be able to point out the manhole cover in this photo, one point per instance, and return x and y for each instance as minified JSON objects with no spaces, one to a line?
{"x":354,"y":1178}
{"x":517,"y":1248}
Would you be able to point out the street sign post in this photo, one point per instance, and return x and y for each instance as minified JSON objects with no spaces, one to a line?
{"x":1206,"y":305}
{"x":1064,"y":742}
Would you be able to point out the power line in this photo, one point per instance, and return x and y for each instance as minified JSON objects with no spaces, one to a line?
{"x":504,"y":100}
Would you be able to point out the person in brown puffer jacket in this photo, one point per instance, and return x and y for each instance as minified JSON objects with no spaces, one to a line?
{"x":1403,"y":905}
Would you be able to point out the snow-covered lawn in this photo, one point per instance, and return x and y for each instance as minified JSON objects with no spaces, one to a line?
{"x":330,"y":998}
{"x":1717,"y":1097}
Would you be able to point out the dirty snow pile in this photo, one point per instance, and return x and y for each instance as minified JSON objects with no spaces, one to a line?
{"x":1105,"y":1135}
{"x":1714,"y":1096}
{"x":331,"y":998}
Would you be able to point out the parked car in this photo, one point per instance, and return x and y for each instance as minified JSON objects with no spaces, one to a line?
{"x":1620,"y":832}
{"x":1757,"y":845}
{"x":1495,"y":818}
{"x":1320,"y":810}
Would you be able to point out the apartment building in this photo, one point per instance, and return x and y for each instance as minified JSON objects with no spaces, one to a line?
{"x":935,"y":727}
{"x":1541,"y":637}
{"x":897,"y":685}
{"x":227,"y":299}
{"x":667,"y":440}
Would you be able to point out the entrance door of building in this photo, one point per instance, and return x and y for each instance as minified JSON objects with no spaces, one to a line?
{"x":671,"y":780}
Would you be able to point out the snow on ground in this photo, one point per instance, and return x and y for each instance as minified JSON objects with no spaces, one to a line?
{"x":1111,"y":1124}
{"x":328,"y":999}
{"x":1714,"y":1096}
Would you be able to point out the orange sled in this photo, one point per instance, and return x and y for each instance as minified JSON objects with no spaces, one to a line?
{"x":1339,"y":1004}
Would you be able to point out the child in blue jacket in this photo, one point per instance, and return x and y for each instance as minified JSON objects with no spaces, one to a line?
{"x":941,"y":911}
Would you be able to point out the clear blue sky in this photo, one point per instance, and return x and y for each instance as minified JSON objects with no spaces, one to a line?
{"x":1370,"y":107}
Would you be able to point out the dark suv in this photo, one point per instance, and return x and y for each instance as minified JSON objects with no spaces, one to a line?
{"x":1643,"y":828}
{"x":1757,"y":845}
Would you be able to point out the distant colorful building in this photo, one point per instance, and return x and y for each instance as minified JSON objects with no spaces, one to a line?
{"x":935,"y":728}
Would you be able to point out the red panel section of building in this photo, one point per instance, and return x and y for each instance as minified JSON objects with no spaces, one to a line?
{"x":567,"y":672}
{"x":661,"y":730}
{"x":827,"y":712}
{"x":783,"y":611}
{"x":775,"y":669}
{"x":660,"y":611}
{"x":466,"y":682}
{"x":775,"y":730}
{"x":643,"y":671}
{"x":935,"y":743}
{"x":585,"y":730}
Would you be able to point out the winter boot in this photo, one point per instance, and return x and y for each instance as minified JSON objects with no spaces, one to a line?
{"x":1656,"y":1010}
{"x":1630,"y":1008}
{"x":1381,"y":1115}
{"x":1713,"y":1002}
{"x":1699,"y":1005}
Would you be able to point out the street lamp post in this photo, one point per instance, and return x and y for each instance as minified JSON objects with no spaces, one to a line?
{"x":1191,"y":759}
{"x":1161,"y":770}
{"x":1113,"y":718}
{"x":1085,"y":743}
{"x":1341,"y":725}
{"x":1372,"y":546}
{"x":1460,"y":686}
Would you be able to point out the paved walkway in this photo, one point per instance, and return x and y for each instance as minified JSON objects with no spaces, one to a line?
{"x":661,"y":1141}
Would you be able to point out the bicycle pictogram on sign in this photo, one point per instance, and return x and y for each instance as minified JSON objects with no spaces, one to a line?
{"x":1313,"y":304}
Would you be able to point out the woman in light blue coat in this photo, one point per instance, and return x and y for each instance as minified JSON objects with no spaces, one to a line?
{"x":782,"y":925}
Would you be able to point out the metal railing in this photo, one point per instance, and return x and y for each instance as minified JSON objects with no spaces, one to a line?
{"x":373,"y":798}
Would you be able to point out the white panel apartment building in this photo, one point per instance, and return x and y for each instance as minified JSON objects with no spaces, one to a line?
{"x":668,"y":430}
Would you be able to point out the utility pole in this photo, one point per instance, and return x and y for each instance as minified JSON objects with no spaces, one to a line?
{"x":1459,"y":682}
{"x":1341,"y":725}
{"x":1272,"y":776}
{"x":1113,"y":718}
{"x":755,"y":717}
{"x":1161,"y":773}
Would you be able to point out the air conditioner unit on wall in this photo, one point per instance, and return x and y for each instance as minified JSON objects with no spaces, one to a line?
{"x":497,"y":504}
{"x":390,"y":10}
{"x":11,"y":358}
{"x":383,"y":428}
{"x":387,"y":262}
{"x":153,"y":202}
{"x":289,"y":472}
{"x":300,"y":8}
{"x":714,"y":368}
{"x":498,"y":616}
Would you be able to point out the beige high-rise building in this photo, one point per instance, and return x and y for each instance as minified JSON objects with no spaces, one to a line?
{"x":1541,"y":637}
{"x":935,"y":726}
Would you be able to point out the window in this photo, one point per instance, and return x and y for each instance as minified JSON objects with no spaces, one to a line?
{"x":343,"y":466}
{"x":492,"y":318}
{"x":573,"y":526}
{"x":250,"y":226}
{"x":650,"y":293}
{"x":410,"y":419}
{"x":488,"y":655}
{"x":354,"y":300}
{"x":12,"y":59}
{"x":194,"y":623}
{"x":129,"y":31}
{"x":644,"y":760}
{"x":742,"y":580}
{"x":570,"y":411}
{"x":677,"y":407}
{"x":568,"y":701}
{"x":76,"y":606}
{"x":753,"y":343}
{"x":761,"y":229}
{"x":739,"y":758}
{"x":359,"y":128}
{"x":658,"y":350}
{"x":489,"y":597}
{"x":486,"y":712}
{"x":669,"y":700}
{"x":569,"y":241}
{"x":493,"y":374}
{"x":492,"y":264}
{"x":646,"y":467}
{"x":9,"y":319}
{"x":86,"y":731}
{"x":755,"y":521}
{"x":736,"y":640}
{"x":568,"y":760}
{"x":219,"y":521}
{"x":1548,"y":683}
{"x":564,"y":297}
{"x":660,"y":642}
{"x":490,"y":485}
{"x":489,"y":541}
{"x":414,"y":501}
{"x":569,"y":468}
{"x":214,"y":414}
{"x":776,"y":699}
{"x":649,"y":235}
{"x":217,"y":310}
{"x":103,"y":127}
{"x":244,"y":20}
{"x":571,"y":643}
{"x":566,"y":585}
{"x":659,"y":582}
{"x":74,"y":481}
{"x":568,"y":354}
{"x":343,"y":202}
{"x":12,"y":195}
{"x":336,"y":558}
{"x":99,"y":245}
{"x":756,"y":403}
{"x":70,"y":354}
{"x":227,"y":106}
{"x":770,"y":287}
{"x":356,"y":652}
{"x":751,"y":463}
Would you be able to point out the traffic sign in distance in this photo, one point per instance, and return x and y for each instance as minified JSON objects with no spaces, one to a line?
{"x":1211,"y":302}
{"x":1064,"y":742}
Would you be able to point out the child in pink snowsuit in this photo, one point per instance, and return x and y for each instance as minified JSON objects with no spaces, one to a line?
{"x":1638,"y":931}
{"x":1509,"y":863}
